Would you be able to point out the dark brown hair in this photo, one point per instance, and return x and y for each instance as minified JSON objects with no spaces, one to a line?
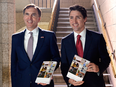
{"x":81,"y":9}
{"x":34,"y":6}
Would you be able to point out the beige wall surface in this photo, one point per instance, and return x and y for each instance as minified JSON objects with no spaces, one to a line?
{"x":7,"y":28}
{"x":108,"y":10}
{"x":19,"y":20}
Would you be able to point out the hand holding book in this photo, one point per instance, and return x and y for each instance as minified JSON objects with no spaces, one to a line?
{"x":75,"y":83}
{"x":78,"y":68}
{"x":43,"y":84}
{"x":46,"y":71}
{"x":91,"y":67}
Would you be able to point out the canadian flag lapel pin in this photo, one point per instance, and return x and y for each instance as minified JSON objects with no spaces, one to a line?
{"x":42,"y":36}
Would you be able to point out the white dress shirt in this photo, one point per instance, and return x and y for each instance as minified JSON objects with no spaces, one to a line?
{"x":83,"y":36}
{"x":35,"y":38}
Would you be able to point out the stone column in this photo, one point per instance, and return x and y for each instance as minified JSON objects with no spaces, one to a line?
{"x":7,"y":28}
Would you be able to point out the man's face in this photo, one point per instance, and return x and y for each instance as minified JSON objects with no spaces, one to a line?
{"x":77,"y":22}
{"x":31,"y":18}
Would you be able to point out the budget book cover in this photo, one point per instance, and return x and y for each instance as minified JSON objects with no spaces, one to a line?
{"x":46,"y":72}
{"x":78,"y":68}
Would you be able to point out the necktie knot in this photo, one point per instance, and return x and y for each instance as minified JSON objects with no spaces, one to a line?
{"x":31,"y":33}
{"x":78,"y":37}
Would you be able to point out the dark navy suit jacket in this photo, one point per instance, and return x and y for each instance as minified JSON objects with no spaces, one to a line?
{"x":24,"y":71}
{"x":94,"y":51}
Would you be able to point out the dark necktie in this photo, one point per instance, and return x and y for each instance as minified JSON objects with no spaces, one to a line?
{"x":30,"y":46}
{"x":79,"y":46}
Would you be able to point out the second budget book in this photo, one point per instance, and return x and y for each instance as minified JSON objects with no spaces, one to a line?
{"x":77,"y":68}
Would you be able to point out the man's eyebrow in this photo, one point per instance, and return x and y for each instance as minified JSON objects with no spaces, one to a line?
{"x":26,"y":13}
{"x":78,"y":16}
{"x":33,"y":13}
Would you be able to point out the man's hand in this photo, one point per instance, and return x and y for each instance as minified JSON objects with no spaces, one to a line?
{"x":75,"y":83}
{"x":91,"y":67}
{"x":43,"y":84}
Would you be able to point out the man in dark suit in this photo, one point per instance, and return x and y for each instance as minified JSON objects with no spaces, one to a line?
{"x":94,"y":50}
{"x":26,"y":61}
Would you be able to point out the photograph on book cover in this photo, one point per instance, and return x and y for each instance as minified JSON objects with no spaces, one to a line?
{"x":47,"y":69}
{"x":78,"y":68}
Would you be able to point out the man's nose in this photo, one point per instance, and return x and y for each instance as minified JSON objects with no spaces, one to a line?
{"x":30,"y":17}
{"x":75,"y":20}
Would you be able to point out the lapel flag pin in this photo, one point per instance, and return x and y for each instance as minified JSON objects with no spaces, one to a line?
{"x":42,"y":36}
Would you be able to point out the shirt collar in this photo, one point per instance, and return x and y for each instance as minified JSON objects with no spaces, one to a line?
{"x":35,"y":31}
{"x":83,"y":33}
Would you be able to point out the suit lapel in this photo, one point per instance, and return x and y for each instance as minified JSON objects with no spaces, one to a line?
{"x":39,"y":43}
{"x":87,"y":43}
{"x":72,"y":43}
{"x":22,"y":46}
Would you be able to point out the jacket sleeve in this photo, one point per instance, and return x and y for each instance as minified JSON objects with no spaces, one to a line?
{"x":54,"y":49}
{"x":64,"y":63}
{"x":13,"y":63}
{"x":104,"y":56}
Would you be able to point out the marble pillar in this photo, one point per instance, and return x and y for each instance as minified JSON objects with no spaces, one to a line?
{"x":7,"y":28}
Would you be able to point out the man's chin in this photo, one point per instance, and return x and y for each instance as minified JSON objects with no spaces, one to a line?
{"x":75,"y":29}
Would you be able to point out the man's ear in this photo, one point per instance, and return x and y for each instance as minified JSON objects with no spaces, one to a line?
{"x":85,"y":19}
{"x":39,"y":19}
